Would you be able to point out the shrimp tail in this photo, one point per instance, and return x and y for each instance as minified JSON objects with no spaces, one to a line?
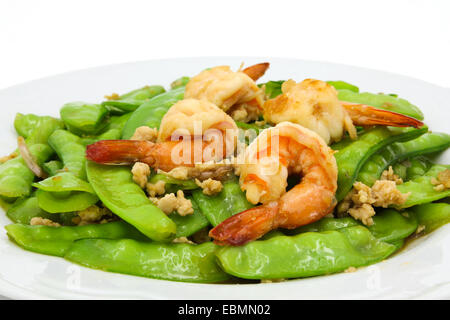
{"x":246,"y":226}
{"x":120,"y":151}
{"x":256,"y":71}
{"x":364,"y":115}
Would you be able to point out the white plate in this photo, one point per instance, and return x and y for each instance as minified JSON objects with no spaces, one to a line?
{"x":419,"y":271}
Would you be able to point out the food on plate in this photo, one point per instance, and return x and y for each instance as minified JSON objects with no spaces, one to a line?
{"x":221,"y":179}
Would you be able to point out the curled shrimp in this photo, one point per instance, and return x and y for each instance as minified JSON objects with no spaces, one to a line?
{"x":314,"y":104}
{"x":192,"y":131}
{"x":234,"y":92}
{"x":285,"y":149}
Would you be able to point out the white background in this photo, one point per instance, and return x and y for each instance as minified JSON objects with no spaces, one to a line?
{"x":42,"y":38}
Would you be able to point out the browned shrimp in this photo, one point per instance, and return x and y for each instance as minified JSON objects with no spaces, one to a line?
{"x":285,"y":149}
{"x":211,"y":142}
{"x":234,"y":92}
{"x":314,"y":104}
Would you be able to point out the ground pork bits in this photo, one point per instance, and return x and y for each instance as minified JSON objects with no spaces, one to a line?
{"x":145,"y":133}
{"x":360,"y":201}
{"x":91,"y":215}
{"x":442,"y":181}
{"x":391,"y":176}
{"x":209,"y":186}
{"x":156,"y":189}
{"x":170,"y":203}
{"x":140,"y":173}
{"x":38,"y":221}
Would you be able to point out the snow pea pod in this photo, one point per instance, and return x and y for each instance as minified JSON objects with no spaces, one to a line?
{"x":421,"y":190}
{"x":272,"y":88}
{"x":388,"y":225}
{"x":70,"y":150}
{"x":229,"y":201}
{"x":417,"y":167}
{"x":64,"y":181}
{"x":52,"y":167}
{"x":342,"y":85}
{"x":352,"y":155}
{"x":191,"y":223}
{"x":151,"y":112}
{"x":177,"y":262}
{"x":24,"y":209}
{"x":114,"y":185}
{"x":56,"y":202}
{"x":377,"y":163}
{"x":172,"y":184}
{"x":56,"y":241}
{"x":304,"y":255}
{"x":112,"y":131}
{"x":36,"y":129}
{"x":132,"y":100}
{"x":382,"y":101}
{"x":432,"y":215}
{"x":83,"y":118}
{"x":15,"y":176}
{"x":180,"y":82}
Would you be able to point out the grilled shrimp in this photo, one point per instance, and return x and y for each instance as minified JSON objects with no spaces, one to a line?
{"x":285,"y":149}
{"x":234,"y":92}
{"x":192,"y":131}
{"x":314,"y":104}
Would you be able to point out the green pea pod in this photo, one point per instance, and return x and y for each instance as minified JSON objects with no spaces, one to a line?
{"x":377,"y":163}
{"x":400,"y":170}
{"x":229,"y":201}
{"x":56,"y":241}
{"x":25,"y":123}
{"x":172,"y":184}
{"x":132,"y":100}
{"x":115,"y":187}
{"x":421,"y":190}
{"x":180,"y":82}
{"x":24,"y":209}
{"x":83,"y":118}
{"x":56,"y":202}
{"x":70,"y":150}
{"x":304,"y":255}
{"x":272,"y":88}
{"x":112,"y":131}
{"x":52,"y":167}
{"x":177,"y":262}
{"x":352,"y":155}
{"x":16,"y":178}
{"x":417,"y":167}
{"x":151,"y":112}
{"x":325,"y":224}
{"x":62,"y":182}
{"x":398,"y":244}
{"x":382,"y":101}
{"x":189,"y":224}
{"x":342,"y":85}
{"x":36,"y":129}
{"x":388,"y":225}
{"x":432,"y":215}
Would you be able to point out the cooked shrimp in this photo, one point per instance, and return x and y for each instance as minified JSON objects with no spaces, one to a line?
{"x":315,"y":105}
{"x":285,"y":149}
{"x":234,"y":92}
{"x":191,"y":131}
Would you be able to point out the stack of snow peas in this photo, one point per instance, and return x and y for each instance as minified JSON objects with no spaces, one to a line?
{"x":141,"y":242}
